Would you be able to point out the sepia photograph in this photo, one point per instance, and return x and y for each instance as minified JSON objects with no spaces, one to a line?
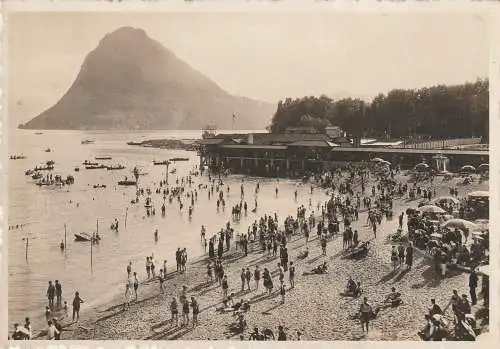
{"x":253,"y":176}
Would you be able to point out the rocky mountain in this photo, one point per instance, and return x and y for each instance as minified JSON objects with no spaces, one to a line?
{"x":132,"y":82}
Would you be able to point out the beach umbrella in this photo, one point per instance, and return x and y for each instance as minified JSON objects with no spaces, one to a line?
{"x":459,"y":223}
{"x":478,"y":194}
{"x":468,"y":168}
{"x":483,"y":167}
{"x":484,"y":269}
{"x":421,"y":167}
{"x":430,"y":209}
{"x":377,"y":160}
{"x":451,"y":199}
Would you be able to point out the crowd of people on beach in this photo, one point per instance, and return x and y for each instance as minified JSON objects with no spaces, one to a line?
{"x":348,"y":194}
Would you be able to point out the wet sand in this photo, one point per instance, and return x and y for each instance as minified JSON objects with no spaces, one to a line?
{"x":314,"y":306}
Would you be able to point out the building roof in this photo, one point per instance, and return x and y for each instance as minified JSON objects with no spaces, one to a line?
{"x":311,"y":143}
{"x":287,"y":138}
{"x":211,"y":141}
{"x":254,"y":146}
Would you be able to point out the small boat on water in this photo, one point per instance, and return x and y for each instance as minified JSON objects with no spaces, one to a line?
{"x":17,"y":157}
{"x":117,"y":167}
{"x":134,"y":143}
{"x":39,"y":133}
{"x":86,"y":237}
{"x":77,"y":169}
{"x":48,"y":150}
{"x":88,"y":141}
{"x":95,"y":167}
{"x":158,"y":163}
{"x":103,"y":158}
{"x":179,"y":159}
{"x":98,"y":186}
{"x":127,"y":182}
{"x":90,"y":163}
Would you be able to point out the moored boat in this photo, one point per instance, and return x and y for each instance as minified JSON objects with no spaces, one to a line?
{"x":88,"y":141}
{"x":127,"y":182}
{"x":103,"y":158}
{"x":117,"y":167}
{"x":95,"y":167}
{"x":179,"y":159}
{"x":157,"y":163}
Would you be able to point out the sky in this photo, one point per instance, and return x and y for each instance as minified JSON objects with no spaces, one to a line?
{"x":264,"y":56}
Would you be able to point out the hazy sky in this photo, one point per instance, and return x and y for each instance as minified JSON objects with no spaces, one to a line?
{"x":262,"y":56}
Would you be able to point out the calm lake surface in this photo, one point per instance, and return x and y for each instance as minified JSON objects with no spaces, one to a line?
{"x":44,"y":212}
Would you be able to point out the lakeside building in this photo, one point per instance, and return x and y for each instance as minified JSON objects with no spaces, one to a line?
{"x":295,"y":153}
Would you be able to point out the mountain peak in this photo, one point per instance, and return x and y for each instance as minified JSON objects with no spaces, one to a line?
{"x":131,"y":81}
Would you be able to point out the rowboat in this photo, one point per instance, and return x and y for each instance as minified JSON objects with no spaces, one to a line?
{"x":127,"y":182}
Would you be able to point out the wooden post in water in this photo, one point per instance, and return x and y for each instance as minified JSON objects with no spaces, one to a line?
{"x":91,"y":262}
{"x":65,"y":236}
{"x":27,"y":248}
{"x":126,"y":213}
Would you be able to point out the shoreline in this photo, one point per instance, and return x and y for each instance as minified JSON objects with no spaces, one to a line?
{"x":149,"y":317}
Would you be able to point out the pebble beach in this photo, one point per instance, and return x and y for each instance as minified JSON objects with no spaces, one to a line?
{"x":314,"y":306}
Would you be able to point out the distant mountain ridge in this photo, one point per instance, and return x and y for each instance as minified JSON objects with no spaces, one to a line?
{"x":132,"y":82}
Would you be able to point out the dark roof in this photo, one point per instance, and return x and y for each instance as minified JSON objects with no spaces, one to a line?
{"x":211,"y":141}
{"x":287,"y":138}
{"x":310,"y":143}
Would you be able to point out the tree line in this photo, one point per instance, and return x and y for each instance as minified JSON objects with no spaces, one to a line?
{"x":427,"y":113}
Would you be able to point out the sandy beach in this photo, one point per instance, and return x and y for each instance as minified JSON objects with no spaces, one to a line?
{"x":314,"y":306}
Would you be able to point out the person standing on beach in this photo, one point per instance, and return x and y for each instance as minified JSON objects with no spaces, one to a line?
{"x":365,"y":313}
{"x":59,"y":329}
{"x":282,"y":293}
{"x":129,"y":269}
{"x":51,"y":291}
{"x":472,"y":286}
{"x":148,"y":268}
{"x":128,"y":291}
{"x":394,"y":258}
{"x":136,"y":285}
{"x":256,"y":276}
{"x":409,"y":256}
{"x":243,"y":278}
{"x":185,"y":312}
{"x":77,"y":301}
{"x":51,"y":331}
{"x":58,"y":288}
{"x":401,"y":255}
{"x":178,"y":258}
{"x":196,"y":310}
{"x":27,"y":327}
{"x":175,"y":312}
{"x":248,"y":277}
{"x":291,"y":275}
{"x":225,"y":287}
{"x":323,"y":244}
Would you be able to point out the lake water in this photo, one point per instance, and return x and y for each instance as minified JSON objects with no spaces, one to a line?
{"x":44,"y":212}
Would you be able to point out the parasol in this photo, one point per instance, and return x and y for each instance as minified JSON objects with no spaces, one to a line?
{"x":421,"y":167}
{"x":430,"y":209}
{"x":459,"y":223}
{"x":452,"y":199}
{"x":483,"y":167}
{"x":479,"y":194}
{"x":468,"y":168}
